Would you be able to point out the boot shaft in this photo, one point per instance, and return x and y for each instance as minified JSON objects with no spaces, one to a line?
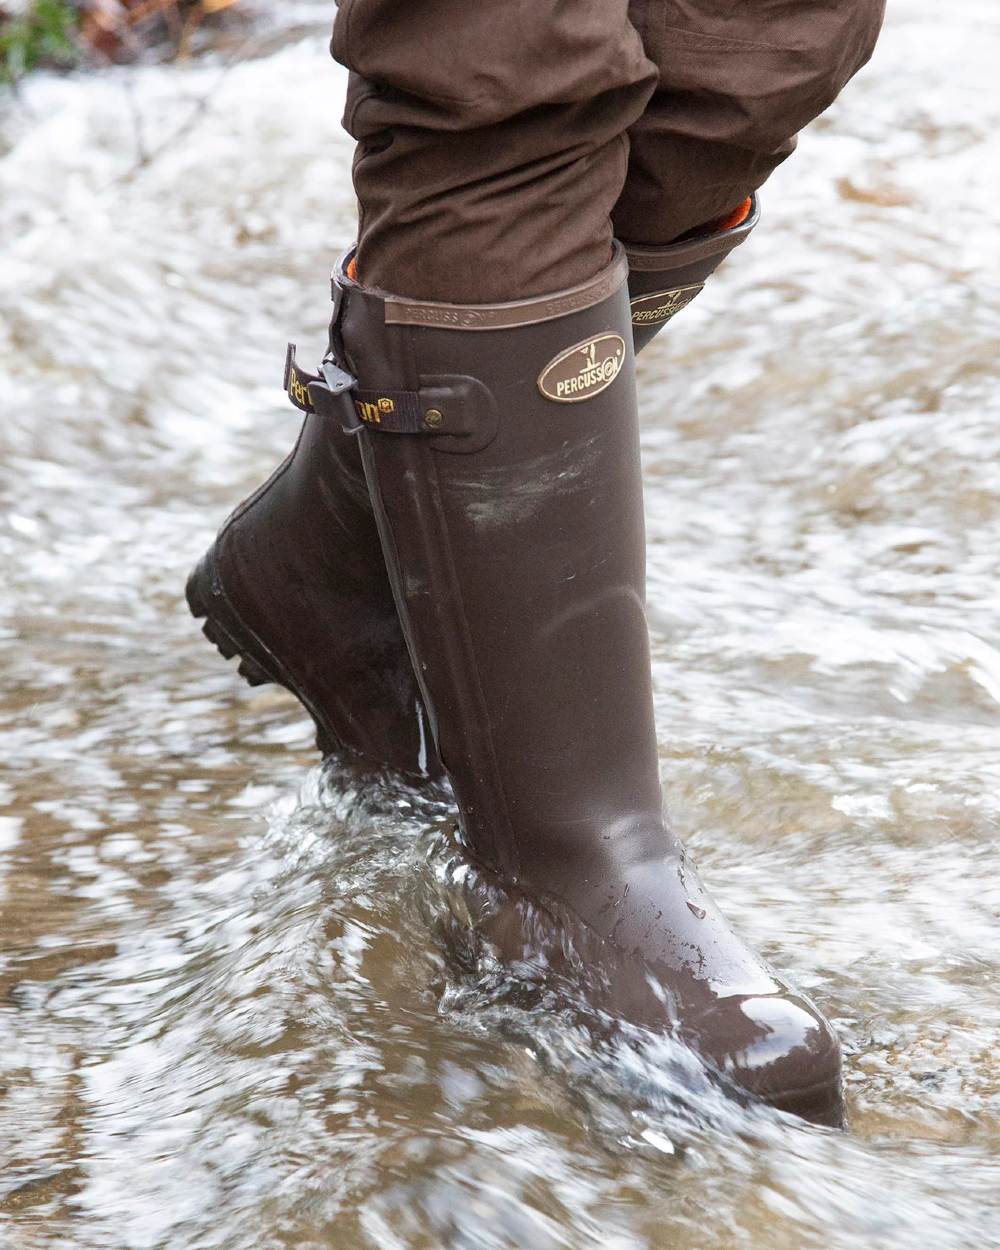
{"x":516,"y":525}
{"x":500,"y":445}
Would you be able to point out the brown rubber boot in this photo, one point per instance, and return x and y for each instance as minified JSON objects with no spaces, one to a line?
{"x":663,"y":280}
{"x":296,"y":586}
{"x":501,"y":447}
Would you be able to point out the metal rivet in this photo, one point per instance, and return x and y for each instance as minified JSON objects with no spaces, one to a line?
{"x":433,"y":417}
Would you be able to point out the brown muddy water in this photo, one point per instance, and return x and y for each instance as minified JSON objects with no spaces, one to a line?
{"x":226,"y":1017}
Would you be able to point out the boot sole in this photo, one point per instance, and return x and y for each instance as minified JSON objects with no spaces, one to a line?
{"x":232,"y":637}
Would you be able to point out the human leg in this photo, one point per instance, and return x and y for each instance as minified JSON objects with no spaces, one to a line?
{"x":491,"y":142}
{"x":477,"y":178}
{"x":737,"y":80}
{"x":736,"y":83}
{"x":500,"y":444}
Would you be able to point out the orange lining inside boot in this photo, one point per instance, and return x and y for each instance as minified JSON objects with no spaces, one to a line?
{"x":352,"y":269}
{"x":737,"y":217}
{"x":719,"y":225}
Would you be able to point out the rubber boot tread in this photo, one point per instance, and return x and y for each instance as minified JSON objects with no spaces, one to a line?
{"x":232,"y":638}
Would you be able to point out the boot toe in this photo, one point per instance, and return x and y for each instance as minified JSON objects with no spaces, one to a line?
{"x":779,"y":1049}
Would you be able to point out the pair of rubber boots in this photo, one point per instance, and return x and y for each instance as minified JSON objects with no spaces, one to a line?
{"x":448,"y":572}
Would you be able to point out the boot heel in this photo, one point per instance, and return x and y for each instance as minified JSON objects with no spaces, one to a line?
{"x":207,"y":602}
{"x":224,"y":629}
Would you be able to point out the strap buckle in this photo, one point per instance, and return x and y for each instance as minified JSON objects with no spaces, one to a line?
{"x":337,"y":382}
{"x":327,"y":394}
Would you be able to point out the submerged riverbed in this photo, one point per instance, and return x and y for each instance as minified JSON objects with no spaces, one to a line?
{"x":227,"y":1018}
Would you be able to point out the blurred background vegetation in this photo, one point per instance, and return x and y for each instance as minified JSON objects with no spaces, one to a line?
{"x":66,"y":33}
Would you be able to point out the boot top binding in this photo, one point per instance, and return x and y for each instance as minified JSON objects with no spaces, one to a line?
{"x":655,"y":258}
{"x":400,"y":310}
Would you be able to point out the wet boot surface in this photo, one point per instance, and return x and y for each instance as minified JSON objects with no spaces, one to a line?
{"x":296,"y":587}
{"x":516,"y":549}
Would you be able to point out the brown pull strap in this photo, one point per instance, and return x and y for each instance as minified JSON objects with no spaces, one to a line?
{"x":334,"y":392}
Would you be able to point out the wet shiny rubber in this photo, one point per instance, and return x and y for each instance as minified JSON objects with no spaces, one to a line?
{"x":295,"y":585}
{"x":517,"y":559}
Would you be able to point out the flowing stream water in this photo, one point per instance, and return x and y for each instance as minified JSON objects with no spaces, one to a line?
{"x":227,"y":1016}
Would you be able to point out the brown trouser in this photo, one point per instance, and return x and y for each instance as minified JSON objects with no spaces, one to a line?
{"x":502,"y":143}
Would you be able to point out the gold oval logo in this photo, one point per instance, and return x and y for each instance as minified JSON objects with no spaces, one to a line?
{"x":654,"y":310}
{"x":583,"y":371}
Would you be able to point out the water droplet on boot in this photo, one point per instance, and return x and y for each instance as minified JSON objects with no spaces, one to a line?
{"x":698,"y":911}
